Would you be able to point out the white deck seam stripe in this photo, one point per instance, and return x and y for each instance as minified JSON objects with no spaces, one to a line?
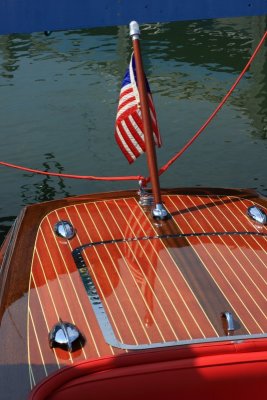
{"x":114,"y":292}
{"x":151,"y":243}
{"x":51,"y":296}
{"x":60,"y":285}
{"x":128,"y":295}
{"x":44,"y":314}
{"x":145,"y":301}
{"x":74,"y":289}
{"x":204,"y":264}
{"x":145,"y":277}
{"x":92,"y":270}
{"x":227,"y":262}
{"x":38,"y":343}
{"x":245,"y":241}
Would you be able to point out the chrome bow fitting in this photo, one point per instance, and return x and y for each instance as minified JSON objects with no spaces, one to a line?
{"x":66,"y":336}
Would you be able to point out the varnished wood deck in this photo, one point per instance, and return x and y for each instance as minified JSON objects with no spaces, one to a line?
{"x":158,"y":283}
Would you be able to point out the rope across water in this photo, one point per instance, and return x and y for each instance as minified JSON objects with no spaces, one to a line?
{"x":71,"y":176}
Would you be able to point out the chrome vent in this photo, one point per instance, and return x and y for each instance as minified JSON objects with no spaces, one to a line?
{"x":66,"y":336}
{"x":64,"y":229}
{"x":257,"y":214}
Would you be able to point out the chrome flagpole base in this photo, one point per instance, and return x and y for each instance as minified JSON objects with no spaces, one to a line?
{"x":159,"y":212}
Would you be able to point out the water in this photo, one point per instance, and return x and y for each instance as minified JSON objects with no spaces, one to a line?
{"x":59,"y":98}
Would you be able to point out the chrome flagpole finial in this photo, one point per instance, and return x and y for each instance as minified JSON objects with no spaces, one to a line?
{"x":134,"y":30}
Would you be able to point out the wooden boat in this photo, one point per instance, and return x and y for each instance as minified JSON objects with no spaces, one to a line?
{"x":151,"y":300}
{"x":99,"y":298}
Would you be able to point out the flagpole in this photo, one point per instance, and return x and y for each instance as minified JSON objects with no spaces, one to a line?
{"x":158,"y":211}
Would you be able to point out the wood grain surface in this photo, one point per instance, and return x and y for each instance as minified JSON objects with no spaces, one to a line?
{"x":158,"y":282}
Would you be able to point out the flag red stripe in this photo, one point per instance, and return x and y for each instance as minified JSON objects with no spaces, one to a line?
{"x":123,"y":149}
{"x":123,"y":101}
{"x":128,"y":111}
{"x":128,"y":141}
{"x":134,"y":132}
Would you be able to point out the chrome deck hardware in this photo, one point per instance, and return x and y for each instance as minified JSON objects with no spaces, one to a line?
{"x":257,"y":214}
{"x":65,"y":335}
{"x":159,"y":212}
{"x":64,"y":229}
{"x":228,"y":323}
{"x":145,"y":198}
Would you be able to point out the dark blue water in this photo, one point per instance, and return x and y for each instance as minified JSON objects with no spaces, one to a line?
{"x":59,"y":98}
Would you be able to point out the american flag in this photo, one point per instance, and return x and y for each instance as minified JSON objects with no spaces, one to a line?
{"x":129,"y":131}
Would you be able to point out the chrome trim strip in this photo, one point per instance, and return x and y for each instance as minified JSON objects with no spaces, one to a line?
{"x":94,"y":298}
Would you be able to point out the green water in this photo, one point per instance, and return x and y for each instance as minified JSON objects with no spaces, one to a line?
{"x":59,"y":99}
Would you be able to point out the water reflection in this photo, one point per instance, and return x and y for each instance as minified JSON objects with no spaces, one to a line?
{"x":40,"y":188}
{"x":60,"y":92}
{"x":257,"y":104}
{"x":47,"y":188}
{"x":9,"y":62}
{"x":213,"y":46}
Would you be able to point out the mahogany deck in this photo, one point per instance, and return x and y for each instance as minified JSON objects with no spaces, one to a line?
{"x":157,"y":284}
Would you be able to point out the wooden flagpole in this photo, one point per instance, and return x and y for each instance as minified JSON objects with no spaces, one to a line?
{"x":159,"y":211}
